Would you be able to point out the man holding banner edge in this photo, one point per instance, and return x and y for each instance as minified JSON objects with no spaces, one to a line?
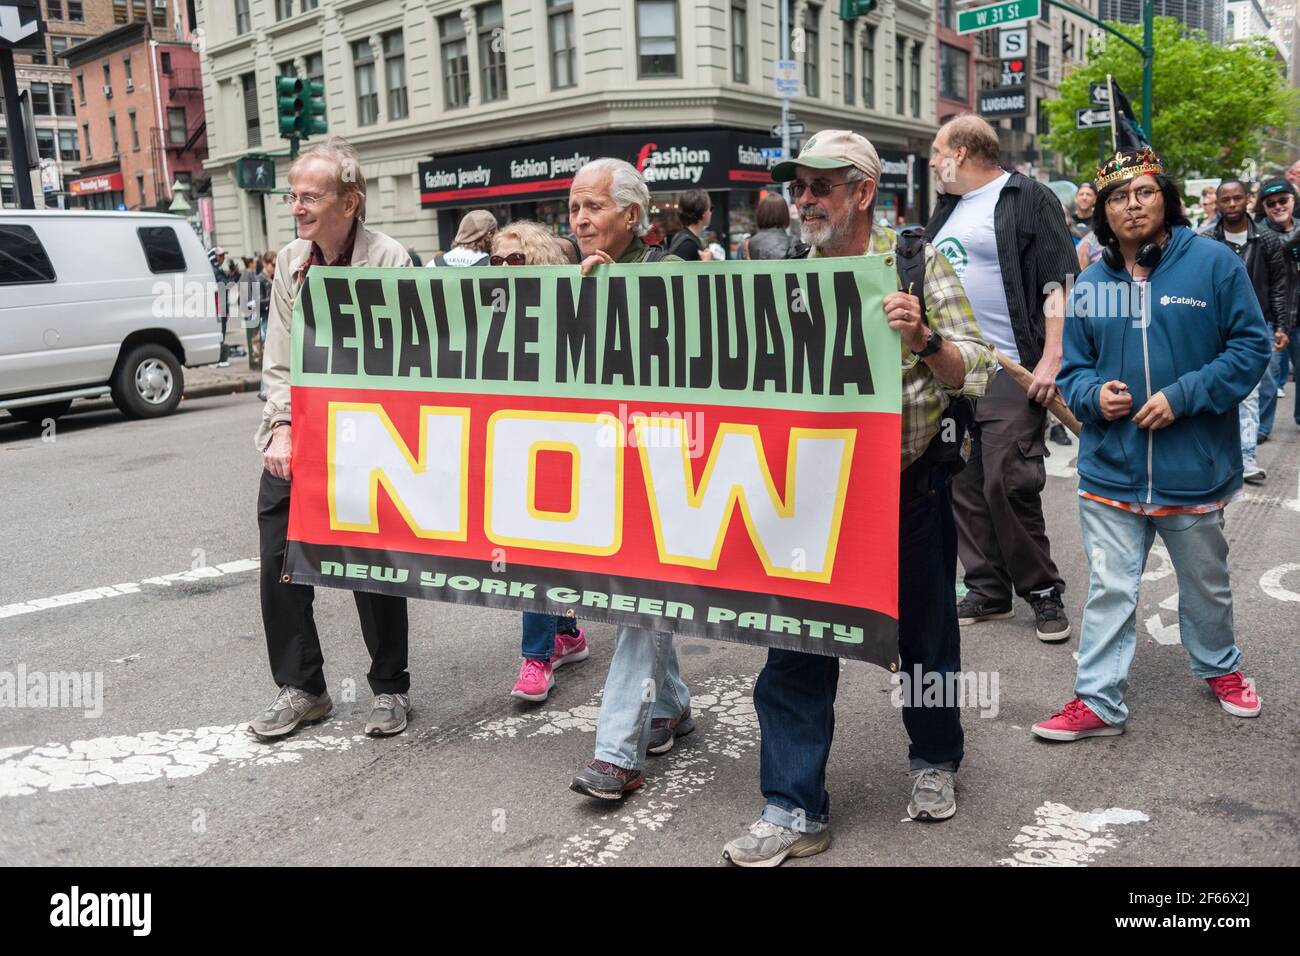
{"x":834,"y":186}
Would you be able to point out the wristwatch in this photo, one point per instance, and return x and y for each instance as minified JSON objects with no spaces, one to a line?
{"x":932,"y":345}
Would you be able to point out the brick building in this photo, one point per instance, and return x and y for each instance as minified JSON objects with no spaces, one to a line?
{"x":139,"y":103}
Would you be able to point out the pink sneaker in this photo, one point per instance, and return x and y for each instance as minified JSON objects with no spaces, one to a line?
{"x":535,"y":680}
{"x":1074,"y":722}
{"x":1236,"y":694}
{"x":570,"y":649}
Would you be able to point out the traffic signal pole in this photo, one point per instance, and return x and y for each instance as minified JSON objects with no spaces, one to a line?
{"x":17,"y":132}
{"x":1146,"y":51}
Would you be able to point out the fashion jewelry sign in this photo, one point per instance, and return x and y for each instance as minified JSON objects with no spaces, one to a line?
{"x":710,"y":449}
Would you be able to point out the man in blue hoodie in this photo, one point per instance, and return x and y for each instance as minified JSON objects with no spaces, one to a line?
{"x":1163,"y":340}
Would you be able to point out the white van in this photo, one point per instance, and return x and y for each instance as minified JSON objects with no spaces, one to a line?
{"x":101,"y":302}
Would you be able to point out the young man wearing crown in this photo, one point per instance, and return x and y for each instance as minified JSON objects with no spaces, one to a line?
{"x":1163,"y":340}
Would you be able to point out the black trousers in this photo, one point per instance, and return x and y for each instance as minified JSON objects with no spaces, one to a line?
{"x":291,"y":639}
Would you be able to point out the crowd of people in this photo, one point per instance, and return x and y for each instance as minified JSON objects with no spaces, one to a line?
{"x":1165,"y":398}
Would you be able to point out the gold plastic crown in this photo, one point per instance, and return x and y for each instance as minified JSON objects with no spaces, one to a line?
{"x":1129,"y":167}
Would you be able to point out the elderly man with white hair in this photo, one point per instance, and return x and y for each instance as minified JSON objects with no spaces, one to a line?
{"x":645,"y":705}
{"x":327,"y":197}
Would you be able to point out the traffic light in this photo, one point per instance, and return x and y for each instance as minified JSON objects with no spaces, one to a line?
{"x":300,"y":107}
{"x":852,"y":9}
{"x":315,"y":123}
{"x":289,"y":105}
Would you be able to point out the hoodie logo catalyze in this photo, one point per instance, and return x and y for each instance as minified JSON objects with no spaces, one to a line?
{"x":1182,"y":300}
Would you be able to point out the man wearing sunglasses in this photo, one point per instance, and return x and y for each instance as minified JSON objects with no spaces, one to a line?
{"x":1260,"y":249}
{"x":327,"y":199}
{"x":833,"y":182}
{"x":1278,"y":197}
{"x":1007,"y":241}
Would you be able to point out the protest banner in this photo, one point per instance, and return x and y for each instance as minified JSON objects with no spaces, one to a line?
{"x":709,"y":449}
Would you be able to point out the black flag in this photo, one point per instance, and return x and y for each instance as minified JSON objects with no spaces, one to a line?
{"x":1125,"y":131}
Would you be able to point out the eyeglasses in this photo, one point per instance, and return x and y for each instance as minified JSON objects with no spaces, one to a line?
{"x":1275,"y":202}
{"x":514,"y":259}
{"x":308,"y":201}
{"x":820,"y":188}
{"x":1146,"y":195}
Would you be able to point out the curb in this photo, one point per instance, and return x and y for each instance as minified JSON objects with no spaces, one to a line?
{"x":231,"y":386}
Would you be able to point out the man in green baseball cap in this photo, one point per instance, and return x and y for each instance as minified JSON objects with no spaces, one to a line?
{"x":833,"y":182}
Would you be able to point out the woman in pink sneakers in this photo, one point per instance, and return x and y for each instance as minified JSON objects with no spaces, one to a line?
{"x":548,"y":641}
{"x":1163,"y":340}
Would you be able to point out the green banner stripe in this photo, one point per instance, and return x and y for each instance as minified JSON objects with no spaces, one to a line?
{"x":803,"y":335}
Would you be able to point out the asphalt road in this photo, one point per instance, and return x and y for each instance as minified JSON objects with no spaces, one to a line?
{"x":160,"y":516}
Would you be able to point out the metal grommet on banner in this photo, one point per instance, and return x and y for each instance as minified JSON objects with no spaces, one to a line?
{"x":284,"y":579}
{"x":568,"y":612}
{"x":889,"y":261}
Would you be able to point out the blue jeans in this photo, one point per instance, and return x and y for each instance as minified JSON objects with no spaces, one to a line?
{"x":1268,"y":393}
{"x":1278,"y":368}
{"x":1117,"y":543}
{"x":1248,"y":418}
{"x":643,"y":684}
{"x":795,"y":693}
{"x":539,"y":634}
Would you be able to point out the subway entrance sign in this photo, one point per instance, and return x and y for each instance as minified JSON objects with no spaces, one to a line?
{"x":997,"y":15}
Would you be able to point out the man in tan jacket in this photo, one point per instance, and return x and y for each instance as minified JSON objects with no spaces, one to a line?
{"x":327,"y":196}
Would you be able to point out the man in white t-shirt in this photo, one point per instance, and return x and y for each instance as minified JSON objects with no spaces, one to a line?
{"x":1008,"y":243}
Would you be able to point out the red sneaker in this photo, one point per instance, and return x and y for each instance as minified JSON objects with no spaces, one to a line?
{"x":570,"y":649}
{"x":1074,"y":722}
{"x":535,"y":680}
{"x":1236,"y":694}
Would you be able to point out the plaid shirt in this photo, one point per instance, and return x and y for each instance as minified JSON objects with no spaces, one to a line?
{"x":925,"y":398}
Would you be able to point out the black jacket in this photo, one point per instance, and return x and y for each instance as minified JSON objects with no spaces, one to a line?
{"x":1034,"y":250}
{"x":1267,"y":268}
{"x":1292,"y":270}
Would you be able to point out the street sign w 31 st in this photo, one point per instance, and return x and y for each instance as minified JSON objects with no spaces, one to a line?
{"x":997,"y":15}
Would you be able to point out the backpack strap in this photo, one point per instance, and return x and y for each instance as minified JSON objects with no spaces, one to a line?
{"x":654,"y":254}
{"x":909,"y":254}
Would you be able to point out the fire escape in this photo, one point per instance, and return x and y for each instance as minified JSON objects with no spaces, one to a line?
{"x":186,"y":89}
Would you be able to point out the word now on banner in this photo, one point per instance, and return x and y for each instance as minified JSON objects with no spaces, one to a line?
{"x":710,"y":449}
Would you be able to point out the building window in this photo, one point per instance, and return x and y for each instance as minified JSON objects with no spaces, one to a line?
{"x":811,"y":48}
{"x":85,"y":138}
{"x":315,"y":63}
{"x":309,"y":5}
{"x":57,"y":46}
{"x":139,"y":188}
{"x":135,"y":130}
{"x":76,"y":13}
{"x":739,"y":34}
{"x":160,"y":13}
{"x":869,"y":68}
{"x":900,"y":91}
{"x":252,"y":123}
{"x":130,"y":80}
{"x":119,"y":10}
{"x":4,"y":146}
{"x":916,"y":79}
{"x":68,"y":148}
{"x":45,"y":144}
{"x":243,"y":18}
{"x":656,"y":37}
{"x":283,"y":9}
{"x":492,"y":52}
{"x":286,"y":69}
{"x":112,"y":134}
{"x":954,"y":65}
{"x":81,"y":88}
{"x":850,"y":81}
{"x":1042,"y":60}
{"x":1043,"y":128}
{"x":8,"y":194}
{"x":363,"y":67}
{"x":40,"y":93}
{"x":165,"y":59}
{"x":564,"y":43}
{"x":54,"y":9}
{"x":948,"y":13}
{"x":138,"y":9}
{"x":455,"y":61}
{"x":63,"y":100}
{"x":395,"y":74}
{"x":108,"y":80}
{"x":176,"y":131}
{"x":38,"y":56}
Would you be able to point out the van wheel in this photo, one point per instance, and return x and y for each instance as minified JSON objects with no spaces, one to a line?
{"x":36,"y":414}
{"x":148,"y":382}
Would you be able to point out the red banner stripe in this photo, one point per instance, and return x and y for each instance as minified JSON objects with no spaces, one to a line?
{"x":487,"y":192}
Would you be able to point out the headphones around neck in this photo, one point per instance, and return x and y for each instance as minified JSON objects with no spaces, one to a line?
{"x":1148,"y":256}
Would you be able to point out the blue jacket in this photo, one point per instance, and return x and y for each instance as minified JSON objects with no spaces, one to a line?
{"x":1205,"y":346}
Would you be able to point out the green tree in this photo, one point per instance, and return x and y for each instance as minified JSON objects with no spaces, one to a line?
{"x":1213,"y":104}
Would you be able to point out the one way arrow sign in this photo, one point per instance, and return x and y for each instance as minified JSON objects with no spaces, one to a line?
{"x":21,"y":27}
{"x":1091,"y":119}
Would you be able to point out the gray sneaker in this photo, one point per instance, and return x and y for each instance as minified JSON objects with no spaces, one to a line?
{"x":388,"y":715}
{"x":932,"y":795}
{"x":291,"y":709}
{"x":767,"y":844}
